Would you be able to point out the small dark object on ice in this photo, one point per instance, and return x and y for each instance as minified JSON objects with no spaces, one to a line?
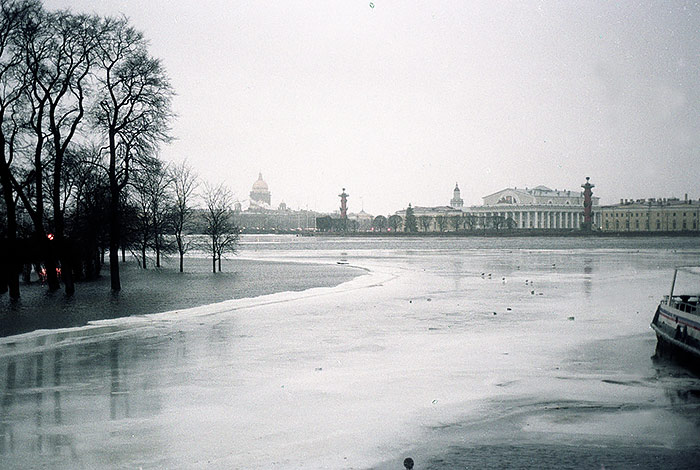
{"x":494,"y":313}
{"x":408,"y":463}
{"x":509,"y":309}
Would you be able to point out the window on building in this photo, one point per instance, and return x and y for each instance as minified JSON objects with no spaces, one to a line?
{"x":636,"y":224}
{"x":684,"y":225}
{"x":674,"y":224}
{"x":658,"y":224}
{"x":627,"y":224}
{"x":607,"y":225}
{"x":647,"y":225}
{"x":617,"y":225}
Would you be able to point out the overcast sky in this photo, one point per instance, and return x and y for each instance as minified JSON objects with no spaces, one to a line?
{"x":396,"y":100}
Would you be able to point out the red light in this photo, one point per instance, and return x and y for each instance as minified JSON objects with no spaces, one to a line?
{"x":50,"y":236}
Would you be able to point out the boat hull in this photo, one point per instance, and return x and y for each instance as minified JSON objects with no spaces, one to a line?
{"x":678,"y":333}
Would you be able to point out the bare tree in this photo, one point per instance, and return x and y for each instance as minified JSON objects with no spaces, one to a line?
{"x":395,"y":221}
{"x":219,"y":226}
{"x":142,"y":225}
{"x":498,"y":221}
{"x":151,"y":197}
{"x":86,"y":220}
{"x":425,"y":221}
{"x":13,"y":19}
{"x":379,"y":223}
{"x":59,"y":60}
{"x":470,"y":221}
{"x":184,"y":185}
{"x":133,"y":111}
{"x":441,"y":222}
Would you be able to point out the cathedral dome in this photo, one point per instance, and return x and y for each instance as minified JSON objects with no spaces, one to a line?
{"x":260,"y":195}
{"x":260,"y":185}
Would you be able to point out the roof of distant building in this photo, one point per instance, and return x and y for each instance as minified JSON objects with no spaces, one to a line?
{"x":260,"y":185}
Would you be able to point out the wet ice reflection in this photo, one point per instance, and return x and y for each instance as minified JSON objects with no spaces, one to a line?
{"x":354,"y":375}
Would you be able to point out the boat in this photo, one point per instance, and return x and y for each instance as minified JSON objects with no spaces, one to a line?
{"x":677,"y":318}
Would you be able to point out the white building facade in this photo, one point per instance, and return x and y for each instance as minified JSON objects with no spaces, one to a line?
{"x":534,"y":208}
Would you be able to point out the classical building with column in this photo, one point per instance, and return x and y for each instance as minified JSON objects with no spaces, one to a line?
{"x":533,"y":208}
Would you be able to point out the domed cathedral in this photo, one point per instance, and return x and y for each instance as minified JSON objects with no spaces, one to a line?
{"x":260,"y":194}
{"x":456,"y":201}
{"x":260,"y":217}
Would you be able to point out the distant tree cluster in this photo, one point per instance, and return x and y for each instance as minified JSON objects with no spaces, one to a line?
{"x":83,"y":110}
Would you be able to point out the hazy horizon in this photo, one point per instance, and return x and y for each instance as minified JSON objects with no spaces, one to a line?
{"x":397,"y":101}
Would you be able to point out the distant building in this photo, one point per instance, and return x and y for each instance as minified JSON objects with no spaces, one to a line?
{"x":259,"y":216}
{"x":536,"y":208}
{"x":456,"y":200}
{"x":517,"y":208}
{"x":260,"y":194}
{"x":651,"y":215}
{"x":363,"y":219}
{"x":435,"y":219}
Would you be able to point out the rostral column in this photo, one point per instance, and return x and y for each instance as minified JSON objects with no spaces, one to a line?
{"x":587,"y":205}
{"x":343,"y":204}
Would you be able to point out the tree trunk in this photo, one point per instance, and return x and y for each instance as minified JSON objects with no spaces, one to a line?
{"x":182,"y":261}
{"x":67,"y":267}
{"x":213,"y":263}
{"x":114,"y":219}
{"x":50,"y":263}
{"x":115,"y":282}
{"x":10,"y":269}
{"x":143,"y":256}
{"x":219,"y":263}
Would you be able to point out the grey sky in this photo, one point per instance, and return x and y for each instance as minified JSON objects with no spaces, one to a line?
{"x":398,"y":102}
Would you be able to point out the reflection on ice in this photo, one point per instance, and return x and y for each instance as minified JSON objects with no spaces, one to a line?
{"x":420,"y":355}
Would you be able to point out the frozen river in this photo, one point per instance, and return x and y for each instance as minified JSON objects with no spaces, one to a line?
{"x":460,"y":353}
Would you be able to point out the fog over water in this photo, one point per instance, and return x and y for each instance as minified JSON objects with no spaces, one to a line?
{"x":461,"y":353}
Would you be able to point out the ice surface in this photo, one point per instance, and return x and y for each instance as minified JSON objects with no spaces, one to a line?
{"x":442,"y":343}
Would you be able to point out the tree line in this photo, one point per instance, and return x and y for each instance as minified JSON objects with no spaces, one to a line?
{"x":411,"y":223}
{"x":442,"y":223}
{"x":84,"y":108}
